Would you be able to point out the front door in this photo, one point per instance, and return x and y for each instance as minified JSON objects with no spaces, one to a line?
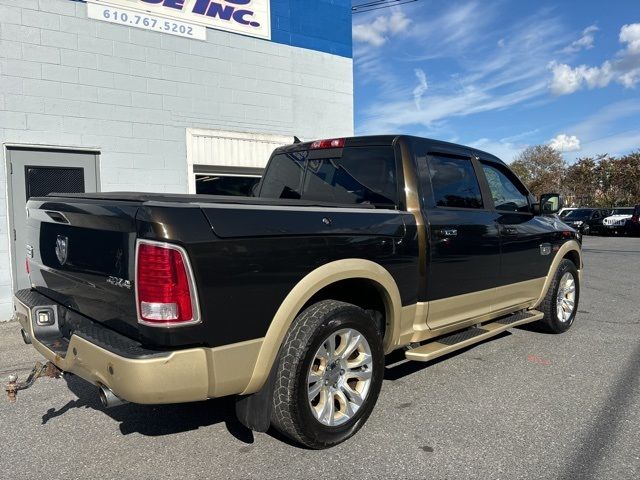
{"x":526,"y":240}
{"x":36,"y":173}
{"x":464,"y":254}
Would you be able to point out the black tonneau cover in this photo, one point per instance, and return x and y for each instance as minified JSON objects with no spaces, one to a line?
{"x":143,"y":197}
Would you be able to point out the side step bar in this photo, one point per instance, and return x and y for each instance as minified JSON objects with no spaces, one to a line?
{"x":464,"y":338}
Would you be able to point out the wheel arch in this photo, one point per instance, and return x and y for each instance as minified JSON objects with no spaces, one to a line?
{"x":570,"y":250}
{"x":315,"y":286}
{"x":574,"y":256}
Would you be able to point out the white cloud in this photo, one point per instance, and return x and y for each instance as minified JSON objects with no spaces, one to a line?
{"x":630,"y":34}
{"x":565,"y":79}
{"x":600,"y":132}
{"x":422,"y":87}
{"x":629,"y":79}
{"x":377,"y":32}
{"x":624,"y":69}
{"x":461,"y":27}
{"x":568,"y":80}
{"x":565,"y":143}
{"x":398,"y":22}
{"x":585,"y":42}
{"x":488,"y":80}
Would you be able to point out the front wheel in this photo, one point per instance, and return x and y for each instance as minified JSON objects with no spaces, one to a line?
{"x":329,"y":374}
{"x":561,"y":302}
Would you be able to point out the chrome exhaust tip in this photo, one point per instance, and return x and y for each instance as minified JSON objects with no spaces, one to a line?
{"x":26,"y":338}
{"x":108,"y":398}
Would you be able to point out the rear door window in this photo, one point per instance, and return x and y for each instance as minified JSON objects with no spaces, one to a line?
{"x":360,"y":175}
{"x":283,"y":178}
{"x":454,"y":182}
{"x":365,"y":175}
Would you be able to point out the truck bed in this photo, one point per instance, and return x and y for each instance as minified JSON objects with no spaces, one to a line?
{"x":239,"y":248}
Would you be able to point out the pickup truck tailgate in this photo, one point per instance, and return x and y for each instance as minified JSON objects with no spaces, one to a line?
{"x":83,"y":257}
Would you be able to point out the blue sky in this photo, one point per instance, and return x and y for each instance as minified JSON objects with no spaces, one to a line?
{"x":502,"y":75}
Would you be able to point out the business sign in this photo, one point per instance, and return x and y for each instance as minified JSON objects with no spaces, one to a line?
{"x":136,"y":18}
{"x":246,"y":17}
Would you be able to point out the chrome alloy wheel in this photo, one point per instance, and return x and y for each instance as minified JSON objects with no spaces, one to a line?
{"x":566,"y":298}
{"x":339,"y":377}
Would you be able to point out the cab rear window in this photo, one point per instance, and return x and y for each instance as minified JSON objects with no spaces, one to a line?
{"x":361,"y":175}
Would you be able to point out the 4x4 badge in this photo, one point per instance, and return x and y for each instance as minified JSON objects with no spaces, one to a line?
{"x":62,"y":249}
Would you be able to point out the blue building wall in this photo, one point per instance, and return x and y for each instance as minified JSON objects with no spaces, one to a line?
{"x":322,"y":25}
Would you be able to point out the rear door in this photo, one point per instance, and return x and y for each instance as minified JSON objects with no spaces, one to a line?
{"x":36,"y":173}
{"x":525,"y":239}
{"x":464,"y":248}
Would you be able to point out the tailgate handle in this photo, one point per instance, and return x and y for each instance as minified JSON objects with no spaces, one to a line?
{"x":57,"y":217}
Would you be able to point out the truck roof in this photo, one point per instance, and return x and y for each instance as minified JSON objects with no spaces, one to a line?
{"x":380,"y":140}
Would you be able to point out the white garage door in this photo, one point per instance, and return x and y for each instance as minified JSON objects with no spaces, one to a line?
{"x":217,"y":152}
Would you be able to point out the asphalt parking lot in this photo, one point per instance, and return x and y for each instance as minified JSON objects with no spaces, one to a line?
{"x":523,"y":405}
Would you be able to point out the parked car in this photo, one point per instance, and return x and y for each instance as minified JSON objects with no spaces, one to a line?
{"x":565,"y":211}
{"x":633,"y":226}
{"x":586,"y":220}
{"x":353,"y":248}
{"x":617,"y":221}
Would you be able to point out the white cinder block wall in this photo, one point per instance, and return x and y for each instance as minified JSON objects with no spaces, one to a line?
{"x":66,"y":80}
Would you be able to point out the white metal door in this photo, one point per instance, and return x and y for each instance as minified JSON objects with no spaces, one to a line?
{"x":36,"y":173}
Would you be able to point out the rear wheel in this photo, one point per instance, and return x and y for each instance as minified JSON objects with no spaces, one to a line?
{"x":561,"y":303}
{"x":329,"y":374}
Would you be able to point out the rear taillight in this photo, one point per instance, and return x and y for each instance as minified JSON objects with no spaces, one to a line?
{"x":329,"y":143}
{"x":27,"y":266}
{"x":165,"y":291}
{"x":635,"y":219}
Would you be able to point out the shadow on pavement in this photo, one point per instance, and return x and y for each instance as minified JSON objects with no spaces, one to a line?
{"x":156,"y":420}
{"x":601,"y":437}
{"x":397,"y":366}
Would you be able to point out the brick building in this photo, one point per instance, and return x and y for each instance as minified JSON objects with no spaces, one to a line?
{"x":114,"y":95}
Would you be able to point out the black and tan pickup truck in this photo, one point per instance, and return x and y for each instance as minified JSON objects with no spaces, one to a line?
{"x":290,"y":300}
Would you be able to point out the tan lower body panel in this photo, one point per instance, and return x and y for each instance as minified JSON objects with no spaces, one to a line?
{"x":425,"y":320}
{"x":183,"y":376}
{"x":436,"y":349}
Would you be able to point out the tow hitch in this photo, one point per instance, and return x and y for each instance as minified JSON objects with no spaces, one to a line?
{"x":39,"y":370}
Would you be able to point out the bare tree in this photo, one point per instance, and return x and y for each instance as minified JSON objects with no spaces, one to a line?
{"x":581,"y":184}
{"x":541,"y":168}
{"x":627,"y":178}
{"x":601,"y":181}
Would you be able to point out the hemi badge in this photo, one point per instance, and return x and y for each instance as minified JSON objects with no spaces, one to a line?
{"x":545,"y":249}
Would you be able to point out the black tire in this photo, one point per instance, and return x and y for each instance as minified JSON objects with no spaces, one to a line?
{"x":292,"y":414}
{"x":549,"y":306}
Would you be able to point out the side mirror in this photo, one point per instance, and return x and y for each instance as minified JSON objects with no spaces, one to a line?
{"x":550,"y":203}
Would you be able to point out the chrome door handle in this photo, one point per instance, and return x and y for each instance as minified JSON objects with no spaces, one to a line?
{"x":509,"y":230}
